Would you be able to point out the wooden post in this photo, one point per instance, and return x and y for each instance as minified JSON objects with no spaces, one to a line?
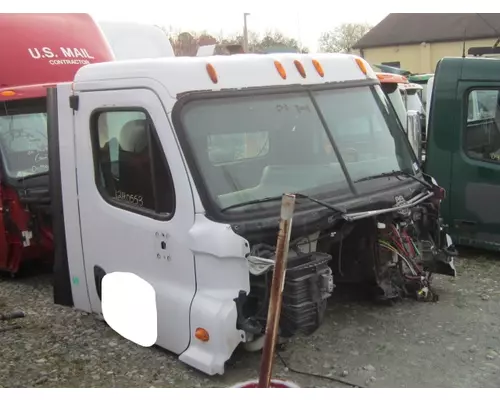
{"x":274,"y":311}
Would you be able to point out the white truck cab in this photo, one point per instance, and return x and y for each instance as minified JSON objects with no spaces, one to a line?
{"x":172,"y":170}
{"x":412,"y":92}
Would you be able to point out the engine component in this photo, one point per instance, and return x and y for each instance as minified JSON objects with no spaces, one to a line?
{"x":308,"y":285}
{"x":402,"y":259}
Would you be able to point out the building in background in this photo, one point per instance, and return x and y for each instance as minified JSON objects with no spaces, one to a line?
{"x":416,"y":42}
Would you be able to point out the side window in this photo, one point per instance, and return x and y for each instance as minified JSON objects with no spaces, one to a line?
{"x":482,"y":131}
{"x":131,"y":170}
{"x":226,"y":148}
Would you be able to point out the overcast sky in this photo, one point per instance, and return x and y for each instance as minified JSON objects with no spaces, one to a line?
{"x":301,"y":19}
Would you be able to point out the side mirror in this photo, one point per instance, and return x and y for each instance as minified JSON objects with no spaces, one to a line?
{"x":129,"y":307}
{"x":414,"y":125}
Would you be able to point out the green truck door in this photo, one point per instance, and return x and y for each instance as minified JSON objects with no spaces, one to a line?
{"x":475,"y":174}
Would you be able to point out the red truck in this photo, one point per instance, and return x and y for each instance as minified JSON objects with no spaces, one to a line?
{"x":38,"y":51}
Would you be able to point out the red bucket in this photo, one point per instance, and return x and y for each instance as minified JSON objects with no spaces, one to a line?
{"x":275,"y":384}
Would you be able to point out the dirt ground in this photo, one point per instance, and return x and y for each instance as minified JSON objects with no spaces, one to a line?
{"x":452,"y":343}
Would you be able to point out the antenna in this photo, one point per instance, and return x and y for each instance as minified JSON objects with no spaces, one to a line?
{"x":463,"y":45}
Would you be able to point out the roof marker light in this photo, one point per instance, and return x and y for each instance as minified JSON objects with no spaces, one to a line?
{"x":212,"y":73}
{"x":280,"y":69}
{"x":8,"y":93}
{"x":300,"y":68}
{"x":361,"y":65}
{"x":391,"y":78}
{"x":319,"y":68}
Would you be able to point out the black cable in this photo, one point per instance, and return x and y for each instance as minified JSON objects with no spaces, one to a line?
{"x":330,"y":378}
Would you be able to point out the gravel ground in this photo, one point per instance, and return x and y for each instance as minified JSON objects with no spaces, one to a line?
{"x":452,"y":343}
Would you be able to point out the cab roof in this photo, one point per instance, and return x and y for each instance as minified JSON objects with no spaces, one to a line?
{"x":185,"y":74}
{"x":470,"y":68}
{"x":385,"y":77}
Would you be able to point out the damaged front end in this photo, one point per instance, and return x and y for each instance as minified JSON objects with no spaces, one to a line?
{"x":393,"y":252}
{"x":397,"y":253}
{"x":398,"y":248}
{"x":364,"y":214}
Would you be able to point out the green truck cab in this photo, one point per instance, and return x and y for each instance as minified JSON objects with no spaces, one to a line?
{"x":463,"y":148}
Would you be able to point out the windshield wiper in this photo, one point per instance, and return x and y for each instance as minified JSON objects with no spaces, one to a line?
{"x":28,"y":177}
{"x":395,"y":174}
{"x":250,"y":202}
{"x":275,"y":198}
{"x":322,"y":203}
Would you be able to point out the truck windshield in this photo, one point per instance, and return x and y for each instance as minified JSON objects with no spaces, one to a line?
{"x":23,"y":138}
{"x":254,"y":147}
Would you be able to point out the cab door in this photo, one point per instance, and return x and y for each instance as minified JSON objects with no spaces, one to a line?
{"x":475,"y":180}
{"x":135,"y":201}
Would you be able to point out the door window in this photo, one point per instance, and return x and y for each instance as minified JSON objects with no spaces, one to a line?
{"x":482,"y":132}
{"x":131,"y":169}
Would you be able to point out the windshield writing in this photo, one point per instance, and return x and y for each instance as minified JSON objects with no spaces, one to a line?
{"x":254,"y":147}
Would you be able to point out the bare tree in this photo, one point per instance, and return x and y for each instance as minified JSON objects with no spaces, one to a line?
{"x":276,"y":41}
{"x":187,"y":43}
{"x":273,"y":41}
{"x":342,"y":38}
